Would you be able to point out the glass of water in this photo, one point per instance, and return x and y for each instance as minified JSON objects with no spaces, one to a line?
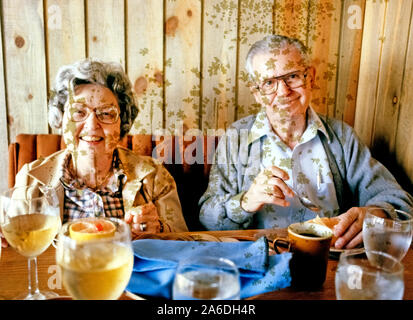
{"x":206,"y":278}
{"x":360,"y":278}
{"x":392,"y":236}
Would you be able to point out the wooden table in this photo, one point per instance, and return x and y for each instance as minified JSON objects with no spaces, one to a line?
{"x":13,"y":270}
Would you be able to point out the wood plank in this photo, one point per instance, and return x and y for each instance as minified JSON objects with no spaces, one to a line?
{"x":66,"y":41}
{"x":145,"y":62}
{"x":395,"y":41}
{"x":182,"y":65}
{"x":25,"y":67}
{"x":106,"y":30}
{"x":404,"y":141}
{"x":369,"y":70}
{"x":291,"y":18}
{"x":349,"y":59}
{"x":4,"y":140}
{"x":323,"y":41}
{"x":219,"y":64}
{"x":255,"y":22}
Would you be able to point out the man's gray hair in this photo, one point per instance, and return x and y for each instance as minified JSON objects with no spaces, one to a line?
{"x":274,"y":42}
{"x":93,"y":71}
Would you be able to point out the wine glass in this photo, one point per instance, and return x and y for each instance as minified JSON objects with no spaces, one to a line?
{"x":96,"y":258}
{"x":206,"y":278}
{"x":30,"y":219}
{"x":392,"y":236}
{"x":360,"y":278}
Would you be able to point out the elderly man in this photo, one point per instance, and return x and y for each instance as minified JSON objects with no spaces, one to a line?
{"x":267,"y":164}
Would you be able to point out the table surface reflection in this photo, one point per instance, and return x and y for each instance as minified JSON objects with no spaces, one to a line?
{"x":13,"y":269}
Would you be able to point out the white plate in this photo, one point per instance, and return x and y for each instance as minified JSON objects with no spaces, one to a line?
{"x":335,"y":253}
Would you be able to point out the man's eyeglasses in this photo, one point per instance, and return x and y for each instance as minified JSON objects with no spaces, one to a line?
{"x":106,"y":114}
{"x":293,"y":80}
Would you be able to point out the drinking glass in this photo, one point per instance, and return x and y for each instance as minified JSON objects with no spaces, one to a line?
{"x":95,"y":268}
{"x":392,"y":236}
{"x":206,"y":278}
{"x":30,"y":219}
{"x":360,"y":278}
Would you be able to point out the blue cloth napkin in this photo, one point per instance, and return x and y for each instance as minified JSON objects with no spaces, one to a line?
{"x":156,"y":262}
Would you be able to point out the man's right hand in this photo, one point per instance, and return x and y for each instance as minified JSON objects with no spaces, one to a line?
{"x":268,"y":188}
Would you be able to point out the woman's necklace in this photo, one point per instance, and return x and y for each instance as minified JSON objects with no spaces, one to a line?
{"x":105,"y":179}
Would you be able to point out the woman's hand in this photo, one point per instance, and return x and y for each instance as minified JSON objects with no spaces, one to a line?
{"x":349,"y":229}
{"x":3,"y":241}
{"x":268,"y":188}
{"x":146,"y":219}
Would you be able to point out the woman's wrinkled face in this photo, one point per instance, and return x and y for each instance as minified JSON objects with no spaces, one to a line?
{"x":91,"y":121}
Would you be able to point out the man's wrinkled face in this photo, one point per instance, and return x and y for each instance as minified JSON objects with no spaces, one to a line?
{"x":286,"y":63}
{"x":91,"y":122}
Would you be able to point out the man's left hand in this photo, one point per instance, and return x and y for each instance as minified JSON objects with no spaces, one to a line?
{"x":349,"y":229}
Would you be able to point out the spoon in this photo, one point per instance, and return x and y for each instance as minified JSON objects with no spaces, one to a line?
{"x":307,"y":202}
{"x":304,"y":200}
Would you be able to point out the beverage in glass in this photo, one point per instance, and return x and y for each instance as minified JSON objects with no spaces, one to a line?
{"x":390,"y":235}
{"x":30,"y":220}
{"x":360,"y":278}
{"x":96,"y":258}
{"x":206,"y":278}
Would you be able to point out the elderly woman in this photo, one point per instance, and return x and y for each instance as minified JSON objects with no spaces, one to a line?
{"x":94,"y":105}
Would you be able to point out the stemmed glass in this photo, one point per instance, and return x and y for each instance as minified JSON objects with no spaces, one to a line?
{"x":389,"y":235}
{"x":96,"y":258}
{"x":30,"y":219}
{"x":206,"y":278}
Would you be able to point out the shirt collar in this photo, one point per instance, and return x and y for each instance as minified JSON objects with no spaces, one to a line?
{"x":261,"y":126}
{"x":71,"y":181}
{"x":315,"y":124}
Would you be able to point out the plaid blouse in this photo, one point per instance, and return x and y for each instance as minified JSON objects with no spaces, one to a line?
{"x":82,"y":202}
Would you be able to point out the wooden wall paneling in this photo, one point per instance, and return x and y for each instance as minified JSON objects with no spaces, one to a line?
{"x":145,"y":47}
{"x":220,"y":25}
{"x":404,"y":141}
{"x":351,"y":34}
{"x":323,"y":42}
{"x":106,"y":30}
{"x":182,"y":65}
{"x":255,"y":22}
{"x":66,"y":43}
{"x":4,"y":142}
{"x":291,"y":18}
{"x":371,"y":49}
{"x":25,"y":67}
{"x":395,"y":39}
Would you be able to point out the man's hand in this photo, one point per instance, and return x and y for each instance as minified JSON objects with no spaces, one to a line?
{"x":349,"y":229}
{"x":268,"y":188}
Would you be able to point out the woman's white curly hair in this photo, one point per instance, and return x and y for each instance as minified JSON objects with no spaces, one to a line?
{"x":94,"y":71}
